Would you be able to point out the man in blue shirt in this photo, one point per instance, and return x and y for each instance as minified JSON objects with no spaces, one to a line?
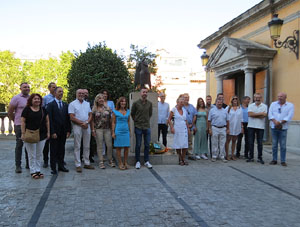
{"x":191,"y":112}
{"x":46,"y":100}
{"x":245,"y":103}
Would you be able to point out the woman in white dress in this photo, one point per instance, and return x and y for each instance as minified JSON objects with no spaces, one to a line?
{"x":179,"y":129}
{"x":235,"y":114}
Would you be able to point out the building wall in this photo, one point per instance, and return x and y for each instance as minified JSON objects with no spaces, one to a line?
{"x":285,"y":66}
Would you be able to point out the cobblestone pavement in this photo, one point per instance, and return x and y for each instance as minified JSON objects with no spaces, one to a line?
{"x":201,"y":194}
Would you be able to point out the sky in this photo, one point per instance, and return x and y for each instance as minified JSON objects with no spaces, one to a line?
{"x":35,"y":28}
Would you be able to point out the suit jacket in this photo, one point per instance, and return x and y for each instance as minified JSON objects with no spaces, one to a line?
{"x":59,"y":119}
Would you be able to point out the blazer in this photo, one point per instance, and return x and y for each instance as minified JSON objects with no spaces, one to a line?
{"x":59,"y":119}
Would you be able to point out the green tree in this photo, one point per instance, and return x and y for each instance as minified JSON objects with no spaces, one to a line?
{"x":138,"y":54}
{"x":10,"y":76}
{"x":99,"y":68}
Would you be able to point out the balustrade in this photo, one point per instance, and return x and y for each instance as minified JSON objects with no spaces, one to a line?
{"x":6,"y":124}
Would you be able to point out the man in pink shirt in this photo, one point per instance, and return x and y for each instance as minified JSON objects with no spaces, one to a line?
{"x":15,"y":109}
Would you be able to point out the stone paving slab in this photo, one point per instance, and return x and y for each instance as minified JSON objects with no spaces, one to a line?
{"x":221,"y":194}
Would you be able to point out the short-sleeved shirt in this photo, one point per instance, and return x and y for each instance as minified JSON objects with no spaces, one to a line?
{"x":255,"y":122}
{"x":34,"y":121}
{"x":18,"y":102}
{"x":102,"y":119}
{"x":47,"y":99}
{"x":245,"y":114}
{"x":191,"y":112}
{"x":80,"y":110}
{"x":163,"y":112}
{"x":218,"y":117}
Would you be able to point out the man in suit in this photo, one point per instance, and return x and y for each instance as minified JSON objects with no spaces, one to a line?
{"x":60,"y":129}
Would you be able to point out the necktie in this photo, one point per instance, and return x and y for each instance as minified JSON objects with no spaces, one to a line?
{"x":60,"y":105}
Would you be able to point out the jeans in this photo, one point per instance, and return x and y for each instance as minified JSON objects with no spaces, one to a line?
{"x":279,"y":136}
{"x":138,"y":140}
{"x":164,"y":129}
{"x":246,"y":139}
{"x":259,"y":137}
{"x":104,"y":135}
{"x":19,"y":146}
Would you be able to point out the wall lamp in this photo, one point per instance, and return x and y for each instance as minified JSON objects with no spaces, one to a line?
{"x":204,"y":58}
{"x":291,"y":42}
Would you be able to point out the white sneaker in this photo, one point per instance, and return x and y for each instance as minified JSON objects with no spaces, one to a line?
{"x":148,"y":165}
{"x":204,"y":157}
{"x":137,"y":165}
{"x":198,"y":157}
{"x":223,"y":159}
{"x":213,"y":159}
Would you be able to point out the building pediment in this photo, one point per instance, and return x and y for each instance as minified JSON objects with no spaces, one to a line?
{"x":234,"y":54}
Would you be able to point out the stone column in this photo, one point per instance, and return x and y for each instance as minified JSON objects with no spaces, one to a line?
{"x":207,"y":82}
{"x":219,"y":85}
{"x":249,"y":82}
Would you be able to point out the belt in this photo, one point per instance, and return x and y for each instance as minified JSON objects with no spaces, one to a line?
{"x":220,"y":126}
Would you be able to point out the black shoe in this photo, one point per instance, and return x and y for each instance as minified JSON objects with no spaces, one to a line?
{"x":65,"y":163}
{"x":54,"y":172}
{"x":63,"y":169}
{"x":283,"y":164}
{"x":273,"y":162}
{"x":237,"y":155}
{"x":45,"y":165}
{"x":92,"y":160}
{"x":18,"y":169}
{"x":250,"y":160}
{"x":261,"y":161}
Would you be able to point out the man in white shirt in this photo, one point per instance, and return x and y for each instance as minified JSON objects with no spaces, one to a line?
{"x":280,"y":113}
{"x":163,"y":115}
{"x":81,"y":116}
{"x":257,"y":113}
{"x":218,"y":126}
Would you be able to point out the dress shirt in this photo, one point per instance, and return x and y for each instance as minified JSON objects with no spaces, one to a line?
{"x":47,"y":99}
{"x":281,"y":112}
{"x":163,"y":112}
{"x":191,"y":112}
{"x":255,"y":122}
{"x":18,"y":102}
{"x":57,"y":101}
{"x":80,"y":110}
{"x":218,"y":117}
{"x":245,"y":114}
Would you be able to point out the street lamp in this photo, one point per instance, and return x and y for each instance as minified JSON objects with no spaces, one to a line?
{"x":291,"y":42}
{"x":204,"y":58}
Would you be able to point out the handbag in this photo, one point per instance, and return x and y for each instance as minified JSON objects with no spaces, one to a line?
{"x":33,"y":136}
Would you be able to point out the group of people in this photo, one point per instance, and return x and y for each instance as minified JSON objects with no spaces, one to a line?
{"x":207,"y":129}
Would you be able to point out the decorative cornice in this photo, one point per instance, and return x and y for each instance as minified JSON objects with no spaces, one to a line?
{"x":253,"y":14}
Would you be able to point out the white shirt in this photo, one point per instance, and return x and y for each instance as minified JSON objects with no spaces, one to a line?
{"x":255,"y":122}
{"x":281,"y":112}
{"x":218,"y":117}
{"x":80,"y":110}
{"x":163,"y":112}
{"x":235,"y":120}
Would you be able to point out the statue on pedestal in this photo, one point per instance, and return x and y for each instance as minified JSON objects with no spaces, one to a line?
{"x":142,"y":75}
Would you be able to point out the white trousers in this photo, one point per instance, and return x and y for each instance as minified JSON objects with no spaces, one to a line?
{"x":85,"y":134}
{"x":218,"y":140}
{"x":35,"y":155}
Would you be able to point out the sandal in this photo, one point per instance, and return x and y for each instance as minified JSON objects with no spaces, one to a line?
{"x":101,"y":165}
{"x":126,"y":166}
{"x":233,"y":158}
{"x":186,"y":163}
{"x":112,"y":164}
{"x":35,"y":176}
{"x":181,"y":163}
{"x":121,"y":167}
{"x":40,"y":175}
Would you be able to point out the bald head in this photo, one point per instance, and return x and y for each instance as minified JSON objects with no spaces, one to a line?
{"x":282,"y":97}
{"x":80,"y":94}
